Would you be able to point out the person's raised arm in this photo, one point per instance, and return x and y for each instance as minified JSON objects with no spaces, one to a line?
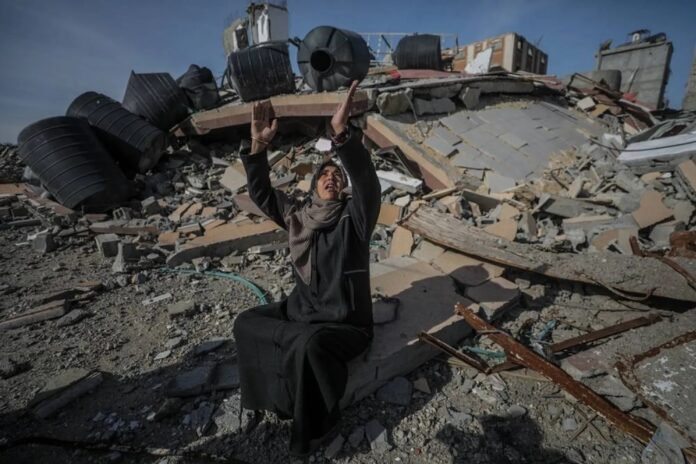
{"x":272,"y":202}
{"x":357,"y":163}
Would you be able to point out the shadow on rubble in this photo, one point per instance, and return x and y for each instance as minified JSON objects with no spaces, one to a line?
{"x":502,"y":440}
{"x":110,"y":423}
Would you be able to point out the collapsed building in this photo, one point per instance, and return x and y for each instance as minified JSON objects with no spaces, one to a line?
{"x":499,"y":182}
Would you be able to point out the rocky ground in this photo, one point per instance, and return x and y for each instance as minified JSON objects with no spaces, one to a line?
{"x":453,"y":414}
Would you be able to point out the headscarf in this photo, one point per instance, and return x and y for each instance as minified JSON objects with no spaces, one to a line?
{"x":314,"y":215}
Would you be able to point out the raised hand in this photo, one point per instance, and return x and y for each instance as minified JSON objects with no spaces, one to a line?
{"x":340,"y":118}
{"x":262,"y":128}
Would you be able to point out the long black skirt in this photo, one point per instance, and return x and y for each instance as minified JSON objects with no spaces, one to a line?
{"x":296,"y":369}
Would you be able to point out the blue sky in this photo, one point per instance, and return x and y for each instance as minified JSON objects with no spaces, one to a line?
{"x":53,"y":50}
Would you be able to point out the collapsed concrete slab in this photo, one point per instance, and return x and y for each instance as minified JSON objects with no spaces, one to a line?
{"x":224,"y":239}
{"x":426,"y":296}
{"x":231,"y":115}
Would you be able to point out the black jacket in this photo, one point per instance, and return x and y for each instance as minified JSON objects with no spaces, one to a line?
{"x":339,"y":290}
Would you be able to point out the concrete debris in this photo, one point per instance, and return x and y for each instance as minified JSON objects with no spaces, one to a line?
{"x":565,"y":203}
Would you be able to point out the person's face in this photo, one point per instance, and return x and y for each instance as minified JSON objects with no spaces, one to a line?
{"x":330,"y":183}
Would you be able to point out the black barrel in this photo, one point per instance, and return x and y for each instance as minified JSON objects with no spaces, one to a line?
{"x":261,"y":71}
{"x":330,"y":58}
{"x":135,"y":143}
{"x":419,"y":51}
{"x":71,"y":163}
{"x":157,"y":98}
{"x":200,"y":87}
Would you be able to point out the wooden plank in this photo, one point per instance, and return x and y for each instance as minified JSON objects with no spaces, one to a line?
{"x":632,"y":274}
{"x":438,"y":172}
{"x":284,"y":106}
{"x":44,"y":312}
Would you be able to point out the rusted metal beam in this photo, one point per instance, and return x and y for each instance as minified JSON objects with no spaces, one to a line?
{"x":604,"y":333}
{"x":470,"y":359}
{"x":587,"y":338}
{"x":637,"y":428}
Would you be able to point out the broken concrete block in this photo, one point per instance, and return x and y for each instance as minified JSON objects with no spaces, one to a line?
{"x":427,"y":251}
{"x":686,"y":171}
{"x":400,"y":181}
{"x":661,"y":232}
{"x":231,"y":418}
{"x":388,"y":214}
{"x":498,"y":183}
{"x":421,"y":384}
{"x":334,"y":447}
{"x":157,"y":299}
{"x":44,"y":243}
{"x":507,"y":229}
{"x":107,"y":244}
{"x":401,"y":243}
{"x":191,"y":383}
{"x":651,"y":210}
{"x":73,"y":388}
{"x":391,"y":103}
{"x":587,"y":223}
{"x":73,"y":317}
{"x":182,"y":308}
{"x":356,"y":436}
{"x":384,"y":310}
{"x":586,"y":104}
{"x":397,"y":391}
{"x":377,"y":436}
{"x":495,"y":295}
{"x":150,"y":206}
{"x":434,"y":106}
{"x":440,"y":146}
{"x":209,"y":346}
{"x":234,"y":177}
{"x":470,"y":97}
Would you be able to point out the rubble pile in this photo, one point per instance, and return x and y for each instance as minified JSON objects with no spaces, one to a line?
{"x":525,"y":200}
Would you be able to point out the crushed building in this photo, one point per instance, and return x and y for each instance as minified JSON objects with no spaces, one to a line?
{"x":552,"y":217}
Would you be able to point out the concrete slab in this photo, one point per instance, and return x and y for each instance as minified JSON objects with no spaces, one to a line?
{"x":465,"y":270}
{"x":446,"y":135}
{"x":459,"y":123}
{"x":513,"y":140}
{"x":440,"y":146}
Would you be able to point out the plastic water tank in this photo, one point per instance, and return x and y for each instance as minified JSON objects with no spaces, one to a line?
{"x":157,"y":98}
{"x":71,"y":163}
{"x":200,"y":87}
{"x":261,"y":71}
{"x":135,"y":143}
{"x":330,"y":58}
{"x":419,"y":51}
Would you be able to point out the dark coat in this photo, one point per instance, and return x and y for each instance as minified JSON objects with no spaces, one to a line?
{"x":340,"y":286}
{"x":293,"y":354}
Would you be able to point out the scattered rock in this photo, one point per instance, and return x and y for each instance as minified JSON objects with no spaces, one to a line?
{"x":396,"y":391}
{"x":377,"y":436}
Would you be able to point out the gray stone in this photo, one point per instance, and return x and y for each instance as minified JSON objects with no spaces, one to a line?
{"x":231,"y":418}
{"x":174,"y":343}
{"x":150,"y":206}
{"x":516,"y":411}
{"x":396,"y":391}
{"x":162,"y":355}
{"x":209,"y":345}
{"x":435,"y":106}
{"x":391,"y":103}
{"x":458,"y":418}
{"x":44,"y":243}
{"x":73,"y":317}
{"x":191,"y":383}
{"x":569,"y":424}
{"x":470,"y":97}
{"x":59,"y":382}
{"x":107,"y":244}
{"x":181,"y":308}
{"x":377,"y":436}
{"x":421,"y":384}
{"x":356,"y":436}
{"x":334,"y":447}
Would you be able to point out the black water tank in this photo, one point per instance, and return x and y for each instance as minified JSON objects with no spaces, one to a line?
{"x":157,"y":98}
{"x":71,"y":163}
{"x":419,"y":51}
{"x":261,"y":71}
{"x":200,"y":87}
{"x":330,"y":58}
{"x":135,"y":143}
